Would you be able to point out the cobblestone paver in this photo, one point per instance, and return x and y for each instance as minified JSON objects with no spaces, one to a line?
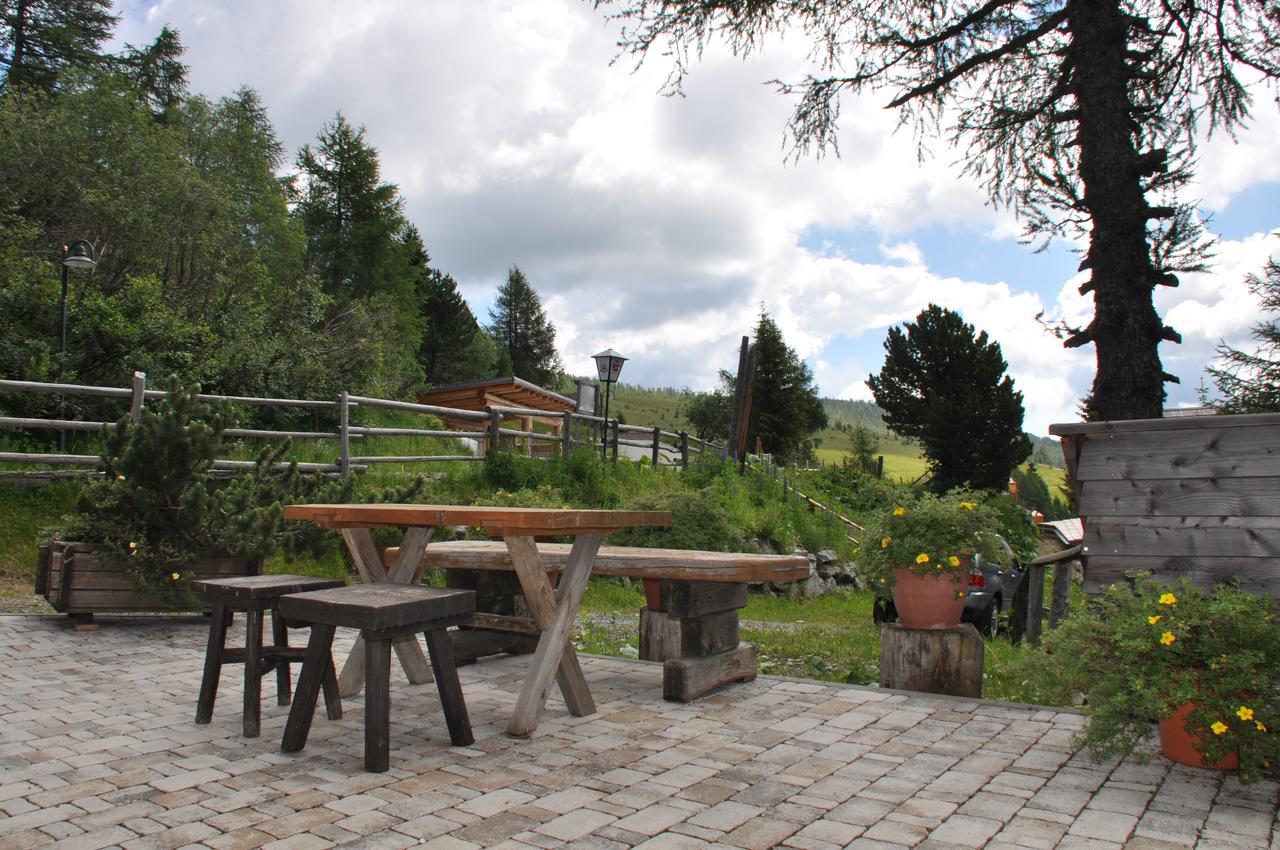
{"x":98,"y":749}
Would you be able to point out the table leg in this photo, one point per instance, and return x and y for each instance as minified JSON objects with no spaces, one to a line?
{"x":555,"y":640}
{"x":368,"y":563}
{"x":542,"y":604}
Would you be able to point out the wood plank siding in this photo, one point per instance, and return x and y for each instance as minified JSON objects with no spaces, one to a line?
{"x":1194,"y":497}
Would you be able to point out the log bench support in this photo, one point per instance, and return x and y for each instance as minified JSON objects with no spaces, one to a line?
{"x":695,"y":636}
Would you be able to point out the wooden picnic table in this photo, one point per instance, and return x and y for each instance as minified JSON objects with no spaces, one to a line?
{"x":553,"y":610}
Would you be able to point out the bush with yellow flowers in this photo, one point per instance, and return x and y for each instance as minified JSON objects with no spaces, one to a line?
{"x":1142,"y":649}
{"x":929,"y":534}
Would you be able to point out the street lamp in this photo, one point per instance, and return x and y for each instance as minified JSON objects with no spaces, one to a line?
{"x":609,"y":366}
{"x":78,"y":255}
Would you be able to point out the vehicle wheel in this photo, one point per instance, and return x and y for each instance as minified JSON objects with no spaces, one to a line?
{"x":990,"y":626}
{"x":883,"y":611}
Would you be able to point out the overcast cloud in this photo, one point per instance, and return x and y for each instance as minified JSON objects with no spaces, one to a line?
{"x":658,"y":226}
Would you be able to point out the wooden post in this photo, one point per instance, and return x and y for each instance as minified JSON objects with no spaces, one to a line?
{"x":526,"y":424}
{"x":566,"y":441}
{"x":344,"y":435}
{"x":495,"y":423}
{"x":657,"y":442}
{"x":744,"y":413}
{"x":139,"y":396}
{"x":615,"y":439}
{"x":936,"y":661}
{"x":684,"y":449}
{"x":1061,"y":592}
{"x":1035,"y":602}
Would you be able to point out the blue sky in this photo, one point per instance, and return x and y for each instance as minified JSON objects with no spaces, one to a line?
{"x":659,"y":226}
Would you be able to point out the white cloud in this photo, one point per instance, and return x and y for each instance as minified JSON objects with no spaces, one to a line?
{"x":658,"y":226}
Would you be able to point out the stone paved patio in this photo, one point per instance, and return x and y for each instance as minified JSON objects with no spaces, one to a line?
{"x":98,"y":749}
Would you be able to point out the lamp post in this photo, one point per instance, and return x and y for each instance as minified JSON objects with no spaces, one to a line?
{"x":78,"y":255}
{"x":609,"y":366}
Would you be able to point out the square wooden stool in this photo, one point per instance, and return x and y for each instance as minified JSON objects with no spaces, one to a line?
{"x":254,"y":595}
{"x":381,"y":612}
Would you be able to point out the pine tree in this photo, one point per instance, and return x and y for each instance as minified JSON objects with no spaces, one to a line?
{"x":526,"y":339}
{"x":39,"y":39}
{"x":1250,"y":382}
{"x":1081,"y":115}
{"x":947,"y":388}
{"x":454,"y":349}
{"x":785,"y":407}
{"x":158,"y":71}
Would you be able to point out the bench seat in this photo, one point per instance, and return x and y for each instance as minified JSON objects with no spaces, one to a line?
{"x":691,"y":624}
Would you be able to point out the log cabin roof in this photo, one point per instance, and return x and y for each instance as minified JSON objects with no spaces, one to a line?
{"x":509,"y":392}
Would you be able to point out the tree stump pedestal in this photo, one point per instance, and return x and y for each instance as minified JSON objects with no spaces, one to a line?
{"x":935,"y":661}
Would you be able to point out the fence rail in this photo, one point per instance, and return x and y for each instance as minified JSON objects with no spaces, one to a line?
{"x":671,"y":448}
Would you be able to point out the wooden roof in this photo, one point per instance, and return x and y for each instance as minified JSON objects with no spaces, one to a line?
{"x":512,"y":392}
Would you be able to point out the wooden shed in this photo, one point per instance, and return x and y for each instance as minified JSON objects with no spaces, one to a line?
{"x":501,"y":392}
{"x":1193,"y":496}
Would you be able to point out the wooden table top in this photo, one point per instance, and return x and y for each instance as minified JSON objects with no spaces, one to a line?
{"x":494,"y":520}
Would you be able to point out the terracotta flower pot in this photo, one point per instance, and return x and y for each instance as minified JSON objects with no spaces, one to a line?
{"x":931,"y":601}
{"x":1179,"y":745}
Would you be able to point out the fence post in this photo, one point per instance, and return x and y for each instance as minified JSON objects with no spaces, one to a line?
{"x":139,"y":395}
{"x":684,"y":449}
{"x":344,"y":435}
{"x":495,"y":425}
{"x":616,"y":423}
{"x":657,"y":442}
{"x":566,"y":441}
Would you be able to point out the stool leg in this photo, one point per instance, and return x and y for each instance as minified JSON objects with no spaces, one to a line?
{"x":315,"y":666}
{"x":332,"y":698}
{"x":253,"y":673}
{"x":377,"y":704}
{"x":455,"y":709}
{"x":212,"y":664}
{"x":280,"y":637}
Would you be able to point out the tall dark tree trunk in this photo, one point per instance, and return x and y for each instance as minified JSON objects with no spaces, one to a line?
{"x":1126,"y":330}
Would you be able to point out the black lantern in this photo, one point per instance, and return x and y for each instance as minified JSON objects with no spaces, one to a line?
{"x":609,"y":366}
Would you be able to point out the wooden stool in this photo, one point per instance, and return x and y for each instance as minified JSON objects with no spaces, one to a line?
{"x":381,"y":612}
{"x":253,"y":595}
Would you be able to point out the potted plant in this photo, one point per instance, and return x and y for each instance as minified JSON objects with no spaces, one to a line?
{"x":158,"y":516}
{"x":1205,"y":664}
{"x":922,"y":548}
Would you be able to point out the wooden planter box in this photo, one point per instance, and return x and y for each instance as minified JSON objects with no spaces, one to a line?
{"x":76,"y":581}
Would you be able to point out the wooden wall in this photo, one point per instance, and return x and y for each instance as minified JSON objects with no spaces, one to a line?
{"x":1195,"y":497}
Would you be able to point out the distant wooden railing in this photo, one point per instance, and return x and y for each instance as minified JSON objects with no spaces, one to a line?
{"x":671,"y":448}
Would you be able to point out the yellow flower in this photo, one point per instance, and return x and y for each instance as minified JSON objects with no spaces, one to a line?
{"x":1218,"y":727}
{"x":885,"y":541}
{"x":1262,"y":727}
{"x":954,"y":561}
{"x":175,"y":576}
{"x":133,"y":547}
{"x":119,"y":477}
{"x":1154,"y":619}
{"x":922,"y":558}
{"x":1168,"y":599}
{"x":899,"y":511}
{"x":1112,"y":589}
{"x":1167,"y":638}
{"x":968,"y":506}
{"x":1245,"y":713}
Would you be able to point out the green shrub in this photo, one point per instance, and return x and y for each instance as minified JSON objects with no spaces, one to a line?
{"x":698,"y":521}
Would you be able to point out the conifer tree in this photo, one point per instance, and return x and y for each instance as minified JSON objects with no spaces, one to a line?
{"x":525,"y":337}
{"x":1249,"y":382}
{"x":454,"y":349}
{"x":785,"y":407}
{"x":947,"y":388}
{"x":39,"y":39}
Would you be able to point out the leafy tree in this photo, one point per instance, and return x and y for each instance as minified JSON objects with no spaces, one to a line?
{"x":454,"y":348}
{"x":708,"y":414}
{"x":1250,"y":382}
{"x":1081,"y":115}
{"x":39,"y":39}
{"x":785,"y":407}
{"x":1034,"y":494}
{"x":948,"y":388}
{"x":526,"y":339}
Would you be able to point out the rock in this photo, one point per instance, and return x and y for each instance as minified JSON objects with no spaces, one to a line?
{"x":827,"y":556}
{"x":813,"y":586}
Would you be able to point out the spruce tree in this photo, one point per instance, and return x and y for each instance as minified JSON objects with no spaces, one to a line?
{"x":1249,"y":382}
{"x":785,"y":407}
{"x":947,"y":388}
{"x":526,"y":339}
{"x":454,"y":349}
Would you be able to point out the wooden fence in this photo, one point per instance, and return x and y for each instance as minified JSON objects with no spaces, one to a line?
{"x":1195,"y":497}
{"x":663,"y":447}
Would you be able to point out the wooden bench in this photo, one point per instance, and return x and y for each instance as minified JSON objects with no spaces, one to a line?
{"x":691,"y":626}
